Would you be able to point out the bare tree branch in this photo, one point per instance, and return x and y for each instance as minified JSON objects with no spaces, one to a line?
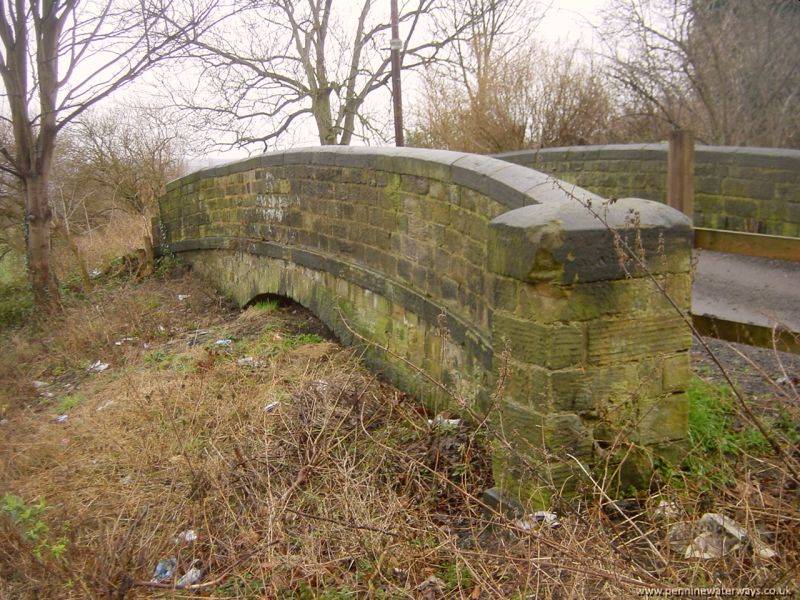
{"x":307,"y":60}
{"x":45,"y":50}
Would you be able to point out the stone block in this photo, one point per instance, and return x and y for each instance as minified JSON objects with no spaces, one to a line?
{"x":414,"y":184}
{"x":663,"y":419}
{"x":746,"y":188}
{"x":553,"y":346}
{"x":440,"y":212}
{"x":676,"y":372}
{"x":614,"y":341}
{"x":707,"y":185}
{"x":567,"y":433}
{"x":741,"y":208}
{"x":474,"y":252}
{"x":505,"y":293}
{"x":567,"y":243}
{"x":787,"y":192}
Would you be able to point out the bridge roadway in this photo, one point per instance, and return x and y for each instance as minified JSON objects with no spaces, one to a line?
{"x":747,"y":289}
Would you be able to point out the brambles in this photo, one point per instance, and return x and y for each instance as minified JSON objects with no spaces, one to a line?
{"x":28,"y":519}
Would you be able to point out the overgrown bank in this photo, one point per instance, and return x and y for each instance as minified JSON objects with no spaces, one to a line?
{"x":304,"y":476}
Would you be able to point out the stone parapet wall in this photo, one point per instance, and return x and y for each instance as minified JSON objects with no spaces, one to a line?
{"x":755,"y":190}
{"x":467,"y":274}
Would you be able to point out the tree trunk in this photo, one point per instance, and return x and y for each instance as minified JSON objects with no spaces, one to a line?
{"x":39,"y":219}
{"x":321,"y":107}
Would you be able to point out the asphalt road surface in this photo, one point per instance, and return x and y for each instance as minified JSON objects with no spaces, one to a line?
{"x":747,"y":289}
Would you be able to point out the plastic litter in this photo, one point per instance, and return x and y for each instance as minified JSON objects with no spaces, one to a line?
{"x":224,"y":342}
{"x":271,"y":406}
{"x":164,"y":570}
{"x":40,"y":386}
{"x":709,"y":545}
{"x":61,"y":418}
{"x":182,"y":297}
{"x":320,"y":385}
{"x":192,"y":576}
{"x":188,"y":536}
{"x":713,"y":536}
{"x":440,"y":421}
{"x":431,"y":583}
{"x":250,"y":361}
{"x":125,"y":340}
{"x":717,"y":523}
{"x":95,"y":273}
{"x":538,"y":519}
{"x":668,"y":510}
{"x":97,"y":367}
{"x":762,"y":550}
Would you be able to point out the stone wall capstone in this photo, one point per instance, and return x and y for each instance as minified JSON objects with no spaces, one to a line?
{"x":754,"y":190}
{"x":467,"y":274}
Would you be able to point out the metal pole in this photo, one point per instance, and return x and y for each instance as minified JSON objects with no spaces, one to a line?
{"x":397,"y":98}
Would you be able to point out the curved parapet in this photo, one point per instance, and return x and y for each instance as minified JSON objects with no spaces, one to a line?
{"x":502,"y":285}
{"x":754,"y":190}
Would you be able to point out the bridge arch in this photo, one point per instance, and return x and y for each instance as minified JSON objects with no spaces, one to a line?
{"x":463,"y":272}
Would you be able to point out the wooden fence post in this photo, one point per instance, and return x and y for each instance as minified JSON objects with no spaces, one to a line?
{"x":680,"y":171}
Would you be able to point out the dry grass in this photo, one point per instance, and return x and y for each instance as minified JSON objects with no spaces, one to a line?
{"x":341,"y":490}
{"x":120,"y":236}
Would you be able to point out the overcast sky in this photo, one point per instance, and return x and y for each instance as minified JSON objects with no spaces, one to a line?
{"x":571,"y":21}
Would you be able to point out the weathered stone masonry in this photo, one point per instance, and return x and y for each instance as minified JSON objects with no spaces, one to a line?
{"x":754,"y":190}
{"x":444,"y":261}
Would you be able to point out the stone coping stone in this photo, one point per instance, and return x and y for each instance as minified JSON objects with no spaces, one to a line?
{"x":568,"y":242}
{"x":511,"y":185}
{"x":774,"y":158}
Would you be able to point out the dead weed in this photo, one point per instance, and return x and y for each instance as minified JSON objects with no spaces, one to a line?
{"x":301,"y":474}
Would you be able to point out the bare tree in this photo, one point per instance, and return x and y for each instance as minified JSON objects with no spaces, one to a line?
{"x":501,"y":91}
{"x":727,"y":69}
{"x":571,"y":103}
{"x":127,"y":155}
{"x":494,"y":36}
{"x":472,"y":100}
{"x":117,"y":160}
{"x":57,"y":59}
{"x":277,"y":63}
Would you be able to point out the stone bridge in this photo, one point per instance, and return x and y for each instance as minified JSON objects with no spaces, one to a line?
{"x":474,"y":284}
